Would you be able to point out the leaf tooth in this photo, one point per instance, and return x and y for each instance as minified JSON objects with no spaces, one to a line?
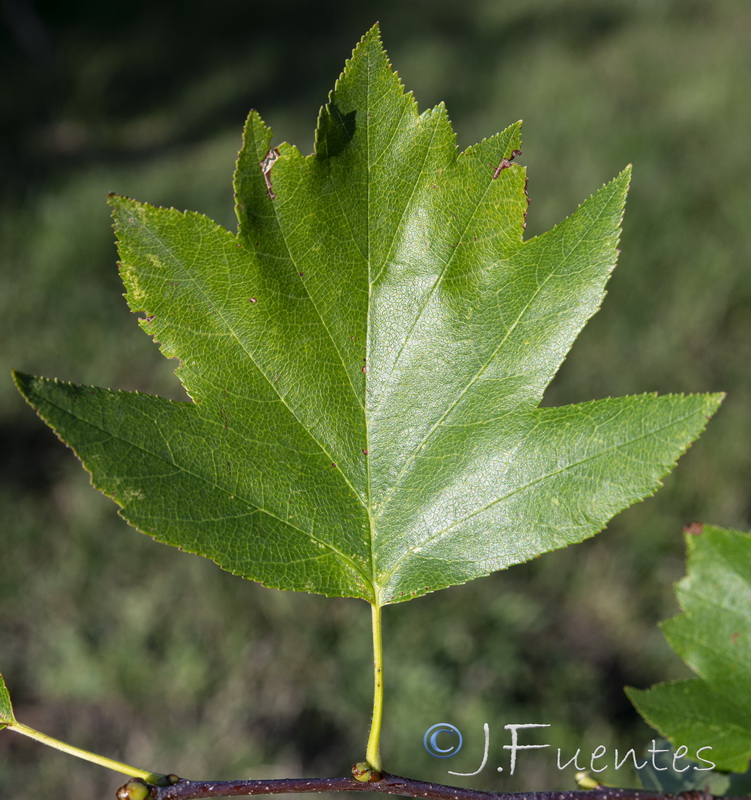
{"x":512,"y":132}
{"x":255,"y":132}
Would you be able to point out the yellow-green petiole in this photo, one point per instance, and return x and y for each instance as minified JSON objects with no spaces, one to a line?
{"x":373,"y":752}
{"x":102,"y":761}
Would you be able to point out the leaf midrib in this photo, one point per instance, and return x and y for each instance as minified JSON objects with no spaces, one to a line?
{"x":368,"y":479}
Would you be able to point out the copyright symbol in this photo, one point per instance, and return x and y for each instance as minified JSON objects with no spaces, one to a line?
{"x":435,"y":748}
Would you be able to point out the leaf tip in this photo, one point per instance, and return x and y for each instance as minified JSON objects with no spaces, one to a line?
{"x":22,"y":382}
{"x":117,"y":200}
{"x":714,"y":401}
{"x":371,"y":38}
{"x":710,"y":405}
{"x":256,"y":135}
{"x":623,"y":179}
{"x":374,"y":32}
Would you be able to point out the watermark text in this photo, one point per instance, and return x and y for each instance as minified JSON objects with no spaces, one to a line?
{"x":444,"y":740}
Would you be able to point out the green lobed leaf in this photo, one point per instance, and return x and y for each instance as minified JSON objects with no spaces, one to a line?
{"x":366,"y":357}
{"x":6,"y":707}
{"x":713,"y":636}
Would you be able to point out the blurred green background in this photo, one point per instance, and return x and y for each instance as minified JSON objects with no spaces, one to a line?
{"x":127,"y":647}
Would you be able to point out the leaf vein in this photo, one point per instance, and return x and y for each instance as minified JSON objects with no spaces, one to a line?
{"x":439,"y":535}
{"x":213,"y":485}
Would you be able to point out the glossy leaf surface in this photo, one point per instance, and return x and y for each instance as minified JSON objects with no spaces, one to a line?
{"x":366,"y":358}
{"x":713,"y":636}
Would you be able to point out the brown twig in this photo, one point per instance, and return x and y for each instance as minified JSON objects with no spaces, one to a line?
{"x":389,"y":784}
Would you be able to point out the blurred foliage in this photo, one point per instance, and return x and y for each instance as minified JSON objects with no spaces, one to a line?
{"x":126,"y":647}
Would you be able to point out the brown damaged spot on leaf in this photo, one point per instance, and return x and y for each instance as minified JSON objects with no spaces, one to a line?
{"x":526,"y":194}
{"x":267,"y":162}
{"x":506,"y":163}
{"x":695,"y":528}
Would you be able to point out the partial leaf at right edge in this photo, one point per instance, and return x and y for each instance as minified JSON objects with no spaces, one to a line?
{"x":713,"y":636}
{"x":6,"y":707}
{"x":689,"y":713}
